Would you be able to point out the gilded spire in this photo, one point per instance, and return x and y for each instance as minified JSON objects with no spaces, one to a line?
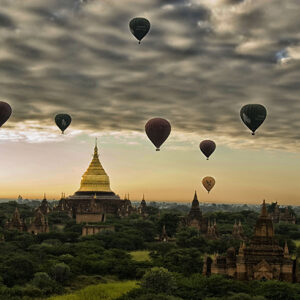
{"x":95,"y":178}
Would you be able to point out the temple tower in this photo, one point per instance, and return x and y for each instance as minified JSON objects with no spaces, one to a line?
{"x":194,"y":218}
{"x":95,"y":180}
{"x":95,"y":195}
{"x":16,"y":223}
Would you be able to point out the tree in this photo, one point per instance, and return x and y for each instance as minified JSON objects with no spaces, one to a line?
{"x":159,"y":280}
{"x":171,"y":221}
{"x":17,"y":270}
{"x":279,"y":290}
{"x":242,"y":296}
{"x":43,"y":281}
{"x":186,"y":261}
{"x":61,"y":272}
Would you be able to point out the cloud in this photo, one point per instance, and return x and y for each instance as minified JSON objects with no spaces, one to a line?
{"x":200,"y":63}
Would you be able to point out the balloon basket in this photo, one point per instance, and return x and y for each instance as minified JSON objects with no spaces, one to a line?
{"x":157,"y":149}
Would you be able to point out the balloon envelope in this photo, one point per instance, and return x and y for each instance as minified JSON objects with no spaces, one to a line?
{"x":207,"y":147}
{"x":208,"y":182}
{"x":158,"y":130}
{"x":5,"y":112}
{"x":253,"y":115}
{"x":63,"y":121}
{"x":139,"y":27}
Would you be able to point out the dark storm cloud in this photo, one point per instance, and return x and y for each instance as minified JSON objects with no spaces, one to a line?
{"x":201,"y":61}
{"x":6,"y":21}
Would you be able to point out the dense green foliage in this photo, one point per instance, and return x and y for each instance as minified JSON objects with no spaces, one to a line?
{"x":62,"y":260}
{"x":198,"y":287}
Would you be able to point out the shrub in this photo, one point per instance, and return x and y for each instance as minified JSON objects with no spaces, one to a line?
{"x":61,"y":272}
{"x":159,"y":280}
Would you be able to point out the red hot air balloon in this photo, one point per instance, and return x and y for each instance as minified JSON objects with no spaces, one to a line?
{"x":207,"y":147}
{"x":158,"y":130}
{"x":5,"y":112}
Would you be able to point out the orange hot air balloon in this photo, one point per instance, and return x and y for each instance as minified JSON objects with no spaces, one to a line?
{"x":208,"y":182}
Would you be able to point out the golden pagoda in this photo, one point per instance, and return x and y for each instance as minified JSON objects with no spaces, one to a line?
{"x":95,"y":180}
{"x":94,"y":199}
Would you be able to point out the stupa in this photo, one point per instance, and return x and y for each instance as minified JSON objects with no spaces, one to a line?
{"x":95,"y":195}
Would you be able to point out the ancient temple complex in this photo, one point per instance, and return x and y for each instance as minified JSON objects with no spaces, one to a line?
{"x":262,"y":259}
{"x":95,"y":199}
{"x":39,"y":224}
{"x":282,"y":214}
{"x":44,"y":207}
{"x":16,"y":223}
{"x":238,"y":231}
{"x":195,"y":218}
{"x":142,"y":209}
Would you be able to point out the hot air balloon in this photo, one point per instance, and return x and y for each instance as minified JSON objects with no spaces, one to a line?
{"x":253,"y":115}
{"x":208,"y":182}
{"x":139,"y":27}
{"x":158,"y":130}
{"x":63,"y":121}
{"x":207,"y":147}
{"x":5,"y":112}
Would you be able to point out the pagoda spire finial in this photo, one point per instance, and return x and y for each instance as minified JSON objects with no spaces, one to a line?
{"x":286,"y":249}
{"x":96,"y":148}
{"x":264,"y":212}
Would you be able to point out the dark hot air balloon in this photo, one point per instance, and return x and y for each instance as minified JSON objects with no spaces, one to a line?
{"x":5,"y":112}
{"x":253,"y":115}
{"x":63,"y":121}
{"x":139,"y":27}
{"x":207,"y":147}
{"x":208,"y":182}
{"x":158,"y":130}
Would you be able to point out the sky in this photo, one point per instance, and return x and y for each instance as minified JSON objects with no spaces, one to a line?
{"x":200,"y":63}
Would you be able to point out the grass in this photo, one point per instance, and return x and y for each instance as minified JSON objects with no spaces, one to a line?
{"x":102,"y":291}
{"x":140,"y":255}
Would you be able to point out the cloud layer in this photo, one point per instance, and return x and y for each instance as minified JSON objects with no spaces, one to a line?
{"x":200,"y":63}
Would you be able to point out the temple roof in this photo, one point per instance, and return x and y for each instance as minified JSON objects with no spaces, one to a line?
{"x":195,"y":202}
{"x":195,"y":212}
{"x":264,"y":225}
{"x":95,"y":179}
